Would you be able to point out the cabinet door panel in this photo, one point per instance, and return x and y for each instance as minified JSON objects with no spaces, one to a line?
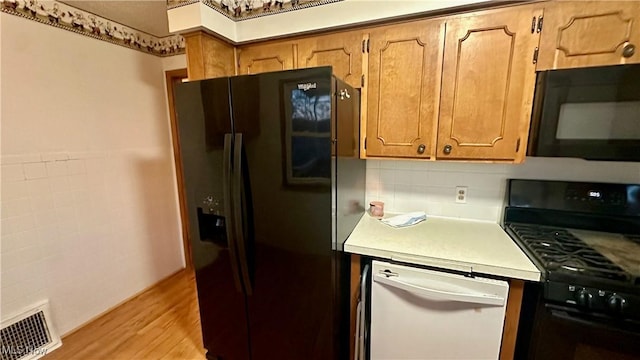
{"x":589,"y":33}
{"x":264,"y":58}
{"x":342,"y":51}
{"x":487,"y":86}
{"x":208,"y":57}
{"x":405,"y":65}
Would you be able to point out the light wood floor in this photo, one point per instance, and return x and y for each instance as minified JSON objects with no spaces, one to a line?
{"x":161,"y":323}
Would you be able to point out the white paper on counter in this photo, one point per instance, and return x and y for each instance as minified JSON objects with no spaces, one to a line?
{"x":405,"y":220}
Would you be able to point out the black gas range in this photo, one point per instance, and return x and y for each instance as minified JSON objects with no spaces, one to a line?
{"x":585,"y":240}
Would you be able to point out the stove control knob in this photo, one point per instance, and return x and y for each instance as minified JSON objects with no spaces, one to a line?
{"x":616,"y":303}
{"x":584,"y":298}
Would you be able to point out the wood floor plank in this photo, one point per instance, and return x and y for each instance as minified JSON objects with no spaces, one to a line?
{"x":146,"y":305}
{"x":185,"y":349}
{"x":161,"y":323}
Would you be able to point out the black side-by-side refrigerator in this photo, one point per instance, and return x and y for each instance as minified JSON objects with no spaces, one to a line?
{"x":274,"y":186}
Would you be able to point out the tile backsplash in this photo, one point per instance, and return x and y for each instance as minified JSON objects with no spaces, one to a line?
{"x":409,"y":185}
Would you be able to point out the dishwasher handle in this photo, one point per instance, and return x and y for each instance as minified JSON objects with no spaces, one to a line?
{"x":476,"y":298}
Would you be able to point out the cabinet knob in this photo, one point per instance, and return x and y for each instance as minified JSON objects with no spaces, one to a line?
{"x":447,"y":149}
{"x":628,"y":50}
{"x":421,"y":148}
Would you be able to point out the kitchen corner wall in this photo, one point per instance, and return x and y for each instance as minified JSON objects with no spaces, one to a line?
{"x":406,"y":185}
{"x":88,"y":199}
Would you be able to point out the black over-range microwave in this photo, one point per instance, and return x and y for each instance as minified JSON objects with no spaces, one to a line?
{"x":591,"y":113}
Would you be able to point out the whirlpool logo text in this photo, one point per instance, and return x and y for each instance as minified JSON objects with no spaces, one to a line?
{"x":307,"y":86}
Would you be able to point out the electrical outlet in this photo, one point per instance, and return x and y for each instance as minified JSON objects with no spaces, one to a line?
{"x":461,"y":194}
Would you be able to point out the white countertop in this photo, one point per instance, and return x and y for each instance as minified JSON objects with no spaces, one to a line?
{"x":454,"y":244}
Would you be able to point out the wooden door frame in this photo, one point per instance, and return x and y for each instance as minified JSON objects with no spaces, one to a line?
{"x":171,"y":76}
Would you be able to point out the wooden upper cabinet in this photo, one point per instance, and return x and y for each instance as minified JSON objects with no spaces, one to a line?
{"x":589,"y":33}
{"x":487,"y":86}
{"x":208,"y":57}
{"x":254,"y":59}
{"x":342,"y":51}
{"x":405,"y":66}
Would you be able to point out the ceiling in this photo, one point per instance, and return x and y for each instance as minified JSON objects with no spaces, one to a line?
{"x":149,"y":16}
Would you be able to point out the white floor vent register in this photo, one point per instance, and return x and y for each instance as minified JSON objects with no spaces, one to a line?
{"x":28,"y":335}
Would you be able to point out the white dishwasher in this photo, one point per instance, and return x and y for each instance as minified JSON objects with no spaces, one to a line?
{"x":423,"y":314}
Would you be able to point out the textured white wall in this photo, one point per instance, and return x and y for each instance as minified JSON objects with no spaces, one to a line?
{"x":89,"y":211}
{"x":406,"y":185}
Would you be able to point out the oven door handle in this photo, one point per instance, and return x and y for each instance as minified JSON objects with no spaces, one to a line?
{"x":564,"y":315}
{"x":593,"y":322}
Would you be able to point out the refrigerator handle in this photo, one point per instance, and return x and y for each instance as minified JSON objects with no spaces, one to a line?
{"x":226,"y":194}
{"x":238,"y":213}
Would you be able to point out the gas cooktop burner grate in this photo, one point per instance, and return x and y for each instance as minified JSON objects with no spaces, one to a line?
{"x":558,"y":250}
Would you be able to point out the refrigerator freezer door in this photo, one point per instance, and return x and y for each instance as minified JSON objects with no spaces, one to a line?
{"x":203,"y":120}
{"x":424,"y":314}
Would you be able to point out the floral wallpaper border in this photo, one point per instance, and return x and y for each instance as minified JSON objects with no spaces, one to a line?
{"x":238,"y":10}
{"x":67,"y":17}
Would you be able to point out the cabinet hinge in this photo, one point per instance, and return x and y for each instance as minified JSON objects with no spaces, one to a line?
{"x":535,"y":56}
{"x":367,"y":45}
{"x":540,"y":18}
{"x":362,"y":81}
{"x":518,"y":145}
{"x":363,"y":44}
{"x":365,"y":143}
